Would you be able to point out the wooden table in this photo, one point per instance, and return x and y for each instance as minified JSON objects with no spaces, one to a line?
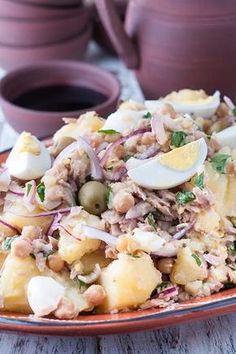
{"x":211,"y":336}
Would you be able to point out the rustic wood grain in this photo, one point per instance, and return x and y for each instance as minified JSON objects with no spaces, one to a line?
{"x":213,"y":336}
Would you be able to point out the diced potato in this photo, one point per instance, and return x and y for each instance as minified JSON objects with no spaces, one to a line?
{"x":128,"y":281}
{"x":89,"y":260}
{"x":87,"y":123}
{"x":186,"y":268}
{"x":14,"y":280}
{"x":71,"y":249}
{"x":208,"y":221}
{"x":16,"y":208}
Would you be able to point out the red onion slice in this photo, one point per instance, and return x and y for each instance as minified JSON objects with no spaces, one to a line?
{"x":19,"y":194}
{"x":171,"y":291}
{"x":47,"y":213}
{"x":121,"y":141}
{"x":115,"y":175}
{"x":96,"y":171}
{"x":178,"y":235}
{"x":13,"y":228}
{"x":213,"y":260}
{"x":92,"y":232}
{"x":54,"y":224}
{"x":5,"y":179}
{"x":229,"y":103}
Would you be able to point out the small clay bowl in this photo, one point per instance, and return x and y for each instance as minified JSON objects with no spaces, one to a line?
{"x":26,"y":32}
{"x":72,"y":48}
{"x":54,"y":74}
{"x":29,"y":11}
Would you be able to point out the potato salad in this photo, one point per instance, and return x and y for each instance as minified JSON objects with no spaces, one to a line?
{"x":131,"y":211}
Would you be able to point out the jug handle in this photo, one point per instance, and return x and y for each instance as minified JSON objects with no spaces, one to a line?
{"x":122,"y":43}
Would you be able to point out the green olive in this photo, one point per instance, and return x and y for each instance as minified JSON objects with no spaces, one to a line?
{"x":92,"y":196}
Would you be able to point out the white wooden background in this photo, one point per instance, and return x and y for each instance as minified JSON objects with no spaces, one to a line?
{"x":213,"y":336}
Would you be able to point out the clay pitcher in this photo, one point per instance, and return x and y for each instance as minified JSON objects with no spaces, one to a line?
{"x":176,"y":44}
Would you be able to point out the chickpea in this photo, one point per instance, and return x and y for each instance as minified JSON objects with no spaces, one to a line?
{"x":165,"y":265}
{"x":123,"y":201}
{"x":55,"y":262}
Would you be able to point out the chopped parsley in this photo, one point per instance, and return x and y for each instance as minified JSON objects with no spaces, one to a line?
{"x":218,"y":162}
{"x":197,"y":259}
{"x":229,"y":285}
{"x":178,"y":138}
{"x":233,"y":247}
{"x":151,"y":221}
{"x":28,"y":188}
{"x":109,"y":197}
{"x":79,"y":283}
{"x":184,"y":197}
{"x":108,"y":131}
{"x":234,"y":111}
{"x":199,"y":181}
{"x":41,"y":191}
{"x":162,"y":286}
{"x":6,"y":245}
{"x":147,"y":115}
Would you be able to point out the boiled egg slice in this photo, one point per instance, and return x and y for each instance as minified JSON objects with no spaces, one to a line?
{"x":194,"y":102}
{"x":227,"y":137}
{"x":29,"y":159}
{"x":148,"y":241}
{"x":172,"y":168}
{"x":123,"y":120}
{"x":44,"y":294}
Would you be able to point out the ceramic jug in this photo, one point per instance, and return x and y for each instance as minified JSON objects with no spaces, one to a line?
{"x":176,"y":44}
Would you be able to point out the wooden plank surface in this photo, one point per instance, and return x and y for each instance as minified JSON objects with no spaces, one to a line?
{"x":213,"y":336}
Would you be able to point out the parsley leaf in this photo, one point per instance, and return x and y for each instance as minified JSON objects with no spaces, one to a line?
{"x":197,"y":259}
{"x":6,"y":245}
{"x":147,"y":115}
{"x":28,"y":188}
{"x":41,"y":191}
{"x":178,"y":138}
{"x":218,"y":162}
{"x":199,"y":181}
{"x":151,"y":221}
{"x":184,"y":197}
{"x":162,"y":286}
{"x":108,"y":131}
{"x":109,"y":197}
{"x":234,"y":111}
{"x":79,"y":283}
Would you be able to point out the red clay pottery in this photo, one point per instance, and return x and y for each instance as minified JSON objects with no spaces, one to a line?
{"x":33,"y":32}
{"x":55,"y":74}
{"x":18,"y":9}
{"x":55,"y":3}
{"x":99,"y":32}
{"x":72,"y":48}
{"x":189,"y":44}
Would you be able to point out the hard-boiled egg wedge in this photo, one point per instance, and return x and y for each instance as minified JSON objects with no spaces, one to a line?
{"x":44,"y":294}
{"x":29,"y":159}
{"x":227,"y":137}
{"x":123,"y":120}
{"x":172,"y":168}
{"x":148,"y":241}
{"x":194,"y":102}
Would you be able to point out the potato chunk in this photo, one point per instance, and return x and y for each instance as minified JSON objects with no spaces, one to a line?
{"x":16,"y":274}
{"x":188,"y":267}
{"x":71,"y":249}
{"x":128,"y":281}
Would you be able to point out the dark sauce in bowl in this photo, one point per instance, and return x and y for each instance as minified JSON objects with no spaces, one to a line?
{"x":60,"y":98}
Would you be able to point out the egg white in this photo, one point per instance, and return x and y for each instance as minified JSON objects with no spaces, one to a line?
{"x":123,"y":120}
{"x":201,"y":109}
{"x":227,"y":137}
{"x":26,"y":165}
{"x":155,"y":175}
{"x":44,"y":294}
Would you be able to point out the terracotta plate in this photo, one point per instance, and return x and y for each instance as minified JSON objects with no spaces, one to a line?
{"x":214,"y":305}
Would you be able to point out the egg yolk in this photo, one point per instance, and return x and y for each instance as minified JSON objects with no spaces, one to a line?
{"x":28,"y":143}
{"x":181,"y":158}
{"x":189,"y":96}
